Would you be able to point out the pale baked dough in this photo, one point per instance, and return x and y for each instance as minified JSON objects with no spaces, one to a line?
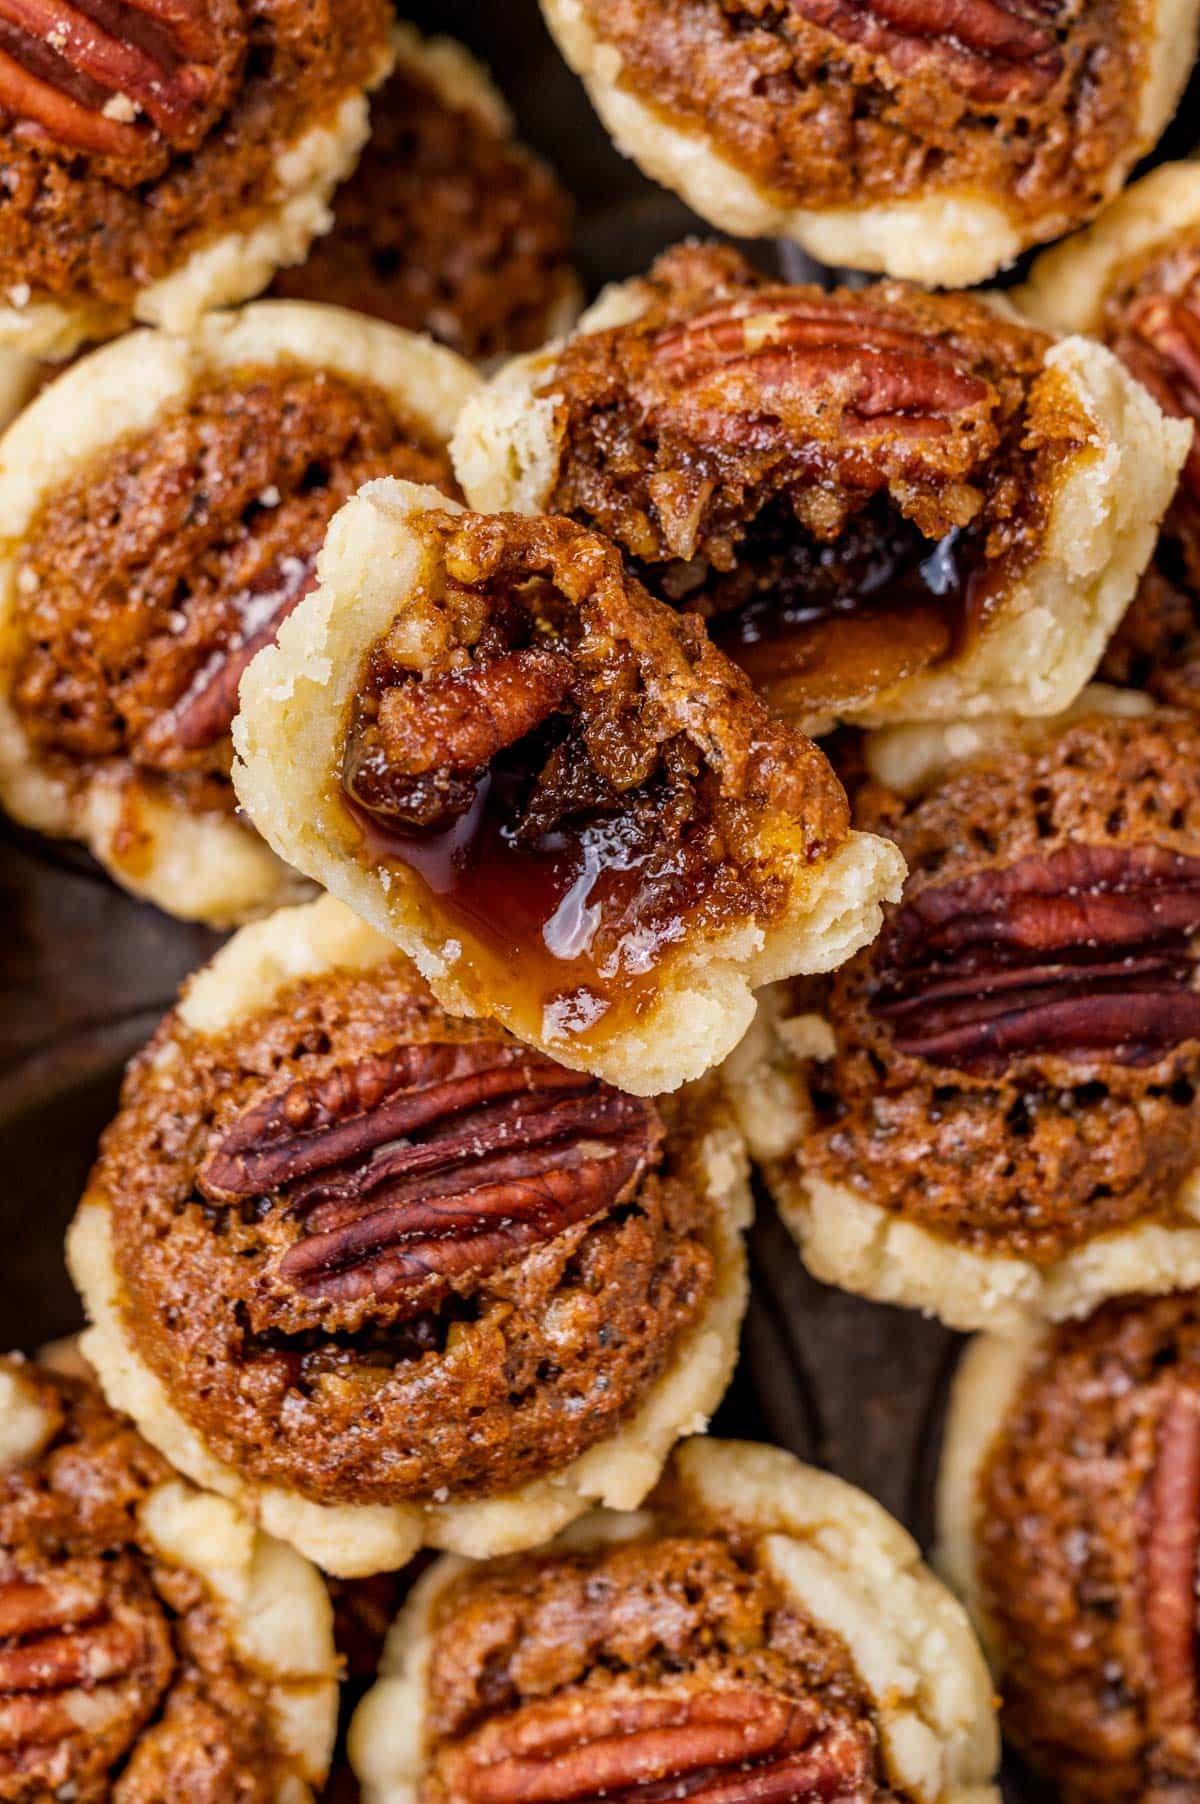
{"x":356,"y":1540}
{"x":948,"y":239}
{"x":229,"y":268}
{"x":989,"y":1376}
{"x":847,"y":1240}
{"x":1069,"y":285}
{"x":275,"y":1608}
{"x":295,"y":700}
{"x":849,"y":1567}
{"x":1042,"y":640}
{"x":206,"y":867}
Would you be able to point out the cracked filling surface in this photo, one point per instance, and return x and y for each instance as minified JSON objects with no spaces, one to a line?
{"x":843,"y":484}
{"x":148,"y":580}
{"x":580,"y":781}
{"x":1018,"y":1054}
{"x":827,"y":104}
{"x":445,"y":227}
{"x":1152,"y":322}
{"x":133,"y":134}
{"x":378,"y":1255}
{"x":118,"y":1679}
{"x":1087,"y":1539}
{"x":669,"y":1667}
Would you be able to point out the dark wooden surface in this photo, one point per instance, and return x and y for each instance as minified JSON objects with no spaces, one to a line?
{"x":85,"y":972}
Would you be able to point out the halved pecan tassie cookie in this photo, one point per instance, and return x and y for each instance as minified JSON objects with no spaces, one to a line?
{"x":551,"y":790}
{"x":390,"y":1278}
{"x":1069,"y":1508}
{"x":888,"y":505}
{"x":761,"y":1633}
{"x":992,"y":1112}
{"x":162,"y":157}
{"x":154,"y":1645}
{"x":933,"y":142}
{"x":448,"y":225}
{"x":1133,"y":281}
{"x":161,"y":508}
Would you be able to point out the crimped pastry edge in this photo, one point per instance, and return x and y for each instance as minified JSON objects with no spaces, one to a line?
{"x":275,"y":1606}
{"x":950,"y":239}
{"x":1043,"y":640}
{"x":199,"y":867}
{"x":844,"y":1560}
{"x":294,"y":700}
{"x":356,"y":1540}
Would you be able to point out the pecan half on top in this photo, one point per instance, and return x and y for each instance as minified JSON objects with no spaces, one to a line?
{"x":1017,"y":1055}
{"x":148,"y":579}
{"x":1087,"y":1535}
{"x":421,"y":1259}
{"x":119,"y":1676}
{"x":671,"y":1667}
{"x":845,"y":485}
{"x":136,"y":133}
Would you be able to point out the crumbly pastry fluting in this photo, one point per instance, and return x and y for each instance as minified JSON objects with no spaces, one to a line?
{"x":154,"y":1645}
{"x":1001,"y":1090}
{"x":550,"y":789}
{"x":379,"y":1260}
{"x":449,"y":224}
{"x":934,"y":147}
{"x":1071,"y":1515}
{"x":886,"y":504}
{"x":710,"y":1647}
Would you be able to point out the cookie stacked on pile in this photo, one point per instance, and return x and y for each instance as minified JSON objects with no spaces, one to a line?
{"x":688,"y":712}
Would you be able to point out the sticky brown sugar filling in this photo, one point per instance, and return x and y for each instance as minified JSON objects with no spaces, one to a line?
{"x":1088,"y":1536}
{"x":671,"y":1667}
{"x":190,"y":108}
{"x":118,"y":1678}
{"x":378,"y":1255}
{"x":148,"y":580}
{"x":546,"y":776}
{"x":843,"y":485}
{"x":445,"y":227}
{"x":1018,"y":1055}
{"x":824,"y":104}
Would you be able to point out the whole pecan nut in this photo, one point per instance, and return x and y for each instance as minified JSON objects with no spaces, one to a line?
{"x":435,"y":1161}
{"x":1081,"y":952}
{"x":1160,"y":344}
{"x":991,"y":50}
{"x":725,"y":1747}
{"x":111,"y":78}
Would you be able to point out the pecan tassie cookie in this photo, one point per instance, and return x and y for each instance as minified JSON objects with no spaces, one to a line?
{"x":161,"y":508}
{"x":992,"y":1112}
{"x":933,"y":142}
{"x":1069,"y":1507}
{"x":448,"y":225}
{"x":549,"y":789}
{"x":389,"y":1278}
{"x":888,"y":505}
{"x":163,"y":158}
{"x":155,"y":1647}
{"x":761,"y":1633}
{"x":1133,"y":281}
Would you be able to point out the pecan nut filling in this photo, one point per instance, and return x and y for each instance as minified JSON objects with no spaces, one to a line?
{"x":447,"y":226}
{"x":825,"y":104}
{"x":670,"y":1667}
{"x":376,"y":1255}
{"x":1152,"y":321}
{"x":119,"y":1679}
{"x":844,"y":485}
{"x":1017,"y":1056}
{"x":135,"y":134}
{"x":1087,"y":1535}
{"x":147,"y":581}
